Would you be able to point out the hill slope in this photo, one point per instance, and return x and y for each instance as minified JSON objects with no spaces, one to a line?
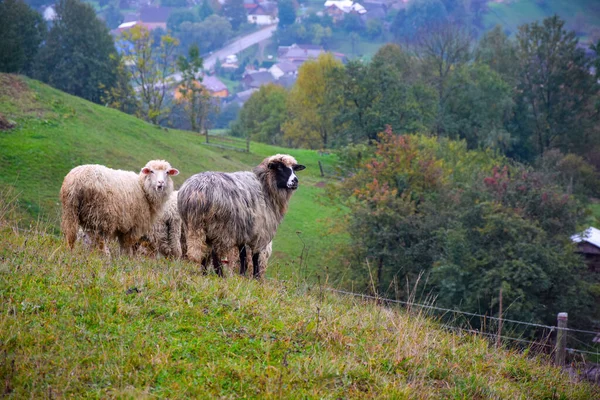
{"x":79,"y":325}
{"x":581,"y":16}
{"x":55,"y":132}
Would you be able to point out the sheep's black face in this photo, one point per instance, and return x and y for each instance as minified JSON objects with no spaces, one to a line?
{"x":285,"y":176}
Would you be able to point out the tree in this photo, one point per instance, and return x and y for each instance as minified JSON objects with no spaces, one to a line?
{"x":442,"y":50}
{"x":374,"y":28}
{"x":177,"y":17}
{"x":235,"y":13}
{"x":79,"y":55}
{"x":311,"y":122}
{"x":174,"y":3}
{"x":352,"y":23}
{"x":556,"y":92}
{"x":113,"y":17}
{"x":205,"y":10}
{"x":209,"y":34}
{"x":151,"y":68}
{"x":287,"y":13}
{"x":263,"y":115}
{"x":227,"y":115}
{"x":499,"y":52}
{"x":383,"y":92}
{"x":122,"y":96}
{"x":419,"y":17}
{"x":479,"y":108}
{"x":191,"y":87}
{"x":425,"y":205}
{"x":319,"y":34}
{"x":22,"y":31}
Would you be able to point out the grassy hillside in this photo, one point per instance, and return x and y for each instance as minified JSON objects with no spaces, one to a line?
{"x":581,"y":16}
{"x":55,"y":132}
{"x":82,"y":326}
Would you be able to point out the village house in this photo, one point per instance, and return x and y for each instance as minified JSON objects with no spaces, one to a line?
{"x":154,"y":17}
{"x":264,"y":13}
{"x":299,"y":54}
{"x":211,"y":84}
{"x":283,"y":68}
{"x":243,"y":97}
{"x":338,"y":9}
{"x":588,"y":244}
{"x":256,"y":79}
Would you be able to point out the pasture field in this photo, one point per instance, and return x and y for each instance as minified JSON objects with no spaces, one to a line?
{"x":56,"y":132}
{"x":80,"y":325}
{"x":581,"y":16}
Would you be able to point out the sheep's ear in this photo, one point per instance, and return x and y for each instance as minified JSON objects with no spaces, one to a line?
{"x":146,"y":170}
{"x":173,"y":171}
{"x":299,"y":167}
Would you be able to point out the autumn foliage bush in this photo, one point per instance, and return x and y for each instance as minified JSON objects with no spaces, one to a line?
{"x":464,"y":224}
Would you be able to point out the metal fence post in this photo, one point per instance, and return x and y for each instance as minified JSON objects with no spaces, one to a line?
{"x":561,"y":339}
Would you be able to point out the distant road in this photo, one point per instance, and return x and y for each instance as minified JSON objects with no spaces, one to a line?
{"x":232,"y":48}
{"x":239,"y":45}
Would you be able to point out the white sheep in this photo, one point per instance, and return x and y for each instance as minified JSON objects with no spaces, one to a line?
{"x":165,"y":236}
{"x":222,"y":211}
{"x":108,"y":203}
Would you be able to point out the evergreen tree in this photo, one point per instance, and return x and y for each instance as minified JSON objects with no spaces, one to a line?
{"x":113,"y":17}
{"x":235,"y":13}
{"x":205,"y":10}
{"x":287,"y":13}
{"x":556,"y":93}
{"x":21,"y":32}
{"x":79,"y":56}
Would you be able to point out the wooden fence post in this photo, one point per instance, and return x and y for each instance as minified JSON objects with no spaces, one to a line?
{"x":499,"y":337}
{"x":321,"y":168}
{"x":560,"y":351}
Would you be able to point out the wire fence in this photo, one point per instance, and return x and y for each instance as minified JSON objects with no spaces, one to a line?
{"x":542,"y":340}
{"x":574,"y":335}
{"x":227,"y":142}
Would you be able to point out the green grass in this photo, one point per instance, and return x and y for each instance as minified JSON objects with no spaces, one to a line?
{"x":57,"y":132}
{"x":582,"y":16}
{"x":79,"y":325}
{"x":363,"y":48}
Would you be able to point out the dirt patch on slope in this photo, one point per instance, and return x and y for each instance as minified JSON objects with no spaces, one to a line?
{"x":5,"y":123}
{"x":12,"y":86}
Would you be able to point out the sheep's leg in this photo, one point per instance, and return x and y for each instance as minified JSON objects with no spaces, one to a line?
{"x":204,"y":265}
{"x":101,"y":243}
{"x":70,"y":225}
{"x":175,"y":243}
{"x":196,"y":245}
{"x":217,"y":263}
{"x":243,"y":260}
{"x":127,"y":243}
{"x":255,"y":264}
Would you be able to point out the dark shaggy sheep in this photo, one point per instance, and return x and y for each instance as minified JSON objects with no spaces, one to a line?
{"x":222,"y":211}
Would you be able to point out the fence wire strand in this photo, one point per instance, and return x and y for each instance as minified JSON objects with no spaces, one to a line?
{"x":477,"y":332}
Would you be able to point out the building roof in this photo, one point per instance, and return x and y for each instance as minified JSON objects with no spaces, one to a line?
{"x":127,"y":25}
{"x":213,"y":84}
{"x":260,"y":78}
{"x":591,"y":235}
{"x":243,"y":97}
{"x":346,"y":6}
{"x":264,"y":8}
{"x":287,"y":81}
{"x":286,"y":67}
{"x":155,"y":14}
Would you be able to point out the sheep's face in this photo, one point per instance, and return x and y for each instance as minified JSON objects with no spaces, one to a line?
{"x":157,"y":176}
{"x":285,"y":174}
